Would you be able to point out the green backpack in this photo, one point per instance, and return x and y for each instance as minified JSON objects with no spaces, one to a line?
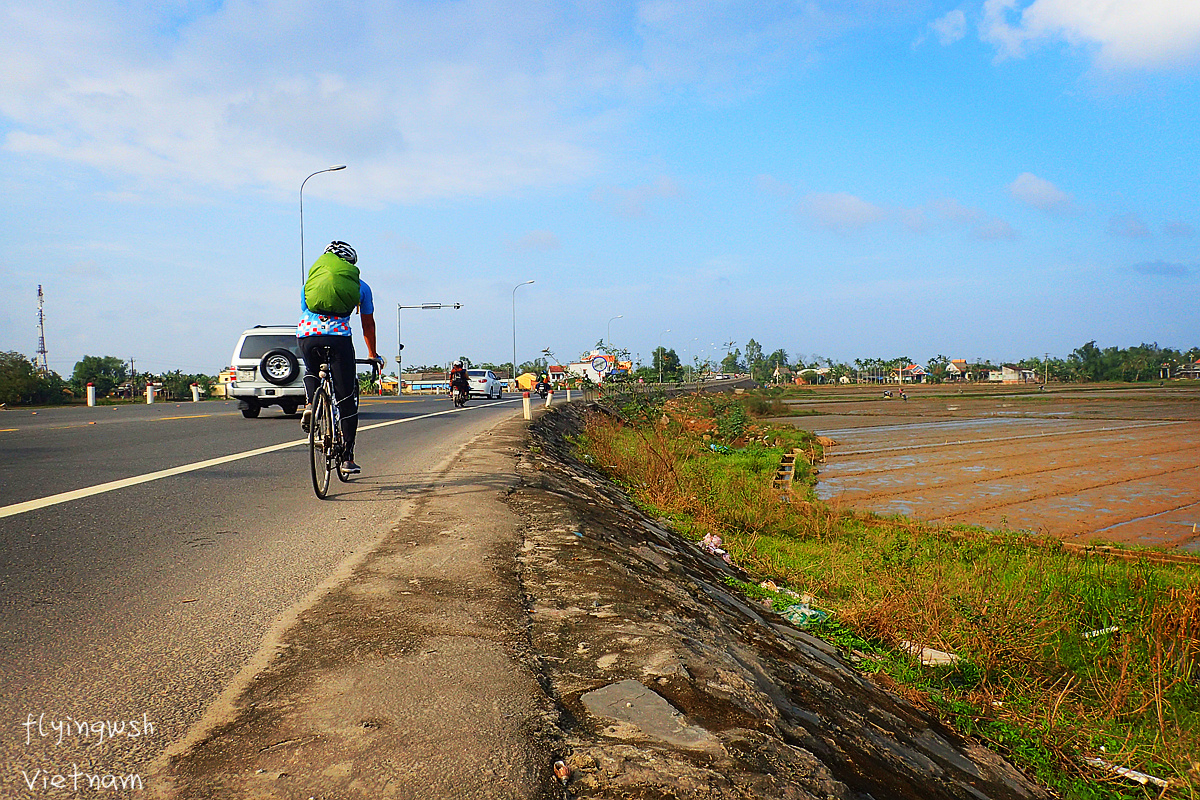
{"x":332,"y":286}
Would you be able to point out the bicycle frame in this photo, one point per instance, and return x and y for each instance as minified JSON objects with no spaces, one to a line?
{"x":326,"y":442}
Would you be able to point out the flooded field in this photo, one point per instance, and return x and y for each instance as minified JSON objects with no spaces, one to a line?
{"x":1115,"y":465}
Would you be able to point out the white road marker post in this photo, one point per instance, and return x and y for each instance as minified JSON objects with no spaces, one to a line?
{"x":91,"y":394}
{"x":525,"y":405}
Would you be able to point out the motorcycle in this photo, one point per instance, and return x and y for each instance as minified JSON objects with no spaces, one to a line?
{"x":542,"y":389}
{"x":460,"y":396}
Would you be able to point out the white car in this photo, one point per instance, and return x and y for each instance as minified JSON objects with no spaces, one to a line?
{"x":484,"y":383}
{"x":267,"y":370}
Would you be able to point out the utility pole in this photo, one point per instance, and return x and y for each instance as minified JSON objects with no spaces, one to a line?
{"x":1046,"y":370}
{"x":42,"y":366}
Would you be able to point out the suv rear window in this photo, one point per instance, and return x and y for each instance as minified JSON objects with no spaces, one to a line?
{"x":257,"y":346}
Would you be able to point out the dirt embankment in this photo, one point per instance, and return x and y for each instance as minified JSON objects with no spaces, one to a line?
{"x":672,"y":686}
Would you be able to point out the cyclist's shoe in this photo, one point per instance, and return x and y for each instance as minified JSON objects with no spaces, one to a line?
{"x":306,"y":419}
{"x":350,"y":468}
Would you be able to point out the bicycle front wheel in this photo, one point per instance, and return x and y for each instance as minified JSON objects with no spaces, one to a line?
{"x":320,"y":442}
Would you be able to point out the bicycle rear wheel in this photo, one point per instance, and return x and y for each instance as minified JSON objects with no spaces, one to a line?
{"x":321,"y":442}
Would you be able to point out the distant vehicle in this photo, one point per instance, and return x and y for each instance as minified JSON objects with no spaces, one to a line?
{"x":485,"y":384}
{"x":267,"y":370}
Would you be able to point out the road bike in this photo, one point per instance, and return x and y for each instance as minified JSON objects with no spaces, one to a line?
{"x":327,"y":452}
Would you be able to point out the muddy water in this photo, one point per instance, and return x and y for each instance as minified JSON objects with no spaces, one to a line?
{"x":1079,"y":464}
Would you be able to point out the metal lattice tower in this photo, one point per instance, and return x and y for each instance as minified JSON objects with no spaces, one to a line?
{"x":42,"y":366}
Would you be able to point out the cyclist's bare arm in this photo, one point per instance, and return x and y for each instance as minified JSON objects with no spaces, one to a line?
{"x":368,"y":328}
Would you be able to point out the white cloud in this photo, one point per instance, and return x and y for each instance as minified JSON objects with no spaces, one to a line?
{"x":769,"y":184}
{"x":994,"y":230}
{"x":422,"y":100}
{"x":1163,"y":269}
{"x":536,"y":241}
{"x":1178,"y":228}
{"x":951,"y":27}
{"x":1129,"y":226}
{"x":632,"y":202}
{"x":1124,"y":33}
{"x":841,"y":211}
{"x":952,"y":210}
{"x":252,"y":93}
{"x":1040,"y":193}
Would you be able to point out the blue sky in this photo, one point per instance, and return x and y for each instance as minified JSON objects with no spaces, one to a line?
{"x":984,"y":180}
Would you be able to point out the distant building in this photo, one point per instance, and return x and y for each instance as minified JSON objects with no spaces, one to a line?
{"x":1189,"y":371}
{"x":1011,"y":373}
{"x":957,"y":370}
{"x":913,"y":373}
{"x":596,"y":365}
{"x":812,"y":375}
{"x":225,"y":378}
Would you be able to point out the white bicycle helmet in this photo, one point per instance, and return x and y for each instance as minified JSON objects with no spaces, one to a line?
{"x":343,"y":251}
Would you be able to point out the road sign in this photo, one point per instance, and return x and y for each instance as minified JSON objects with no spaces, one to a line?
{"x":599,"y":365}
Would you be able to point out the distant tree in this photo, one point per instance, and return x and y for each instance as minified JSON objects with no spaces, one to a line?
{"x":666,"y":362}
{"x":537,"y":366}
{"x":772,"y":362}
{"x":179,"y":386}
{"x":501,"y":370}
{"x":754,"y":353}
{"x":22,"y":384}
{"x":937,"y":367}
{"x":103,"y":372}
{"x":733,"y":362}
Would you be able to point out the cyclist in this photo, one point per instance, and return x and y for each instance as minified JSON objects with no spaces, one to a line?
{"x":458,"y":377}
{"x":317,"y":331}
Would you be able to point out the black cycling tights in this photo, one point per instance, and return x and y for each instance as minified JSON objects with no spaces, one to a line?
{"x":345,"y":378}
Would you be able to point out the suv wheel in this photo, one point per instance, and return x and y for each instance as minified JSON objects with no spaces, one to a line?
{"x":289,"y":407}
{"x":279,"y":366}
{"x":250,"y":411}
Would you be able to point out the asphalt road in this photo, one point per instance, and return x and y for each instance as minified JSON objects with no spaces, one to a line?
{"x":141,"y":599}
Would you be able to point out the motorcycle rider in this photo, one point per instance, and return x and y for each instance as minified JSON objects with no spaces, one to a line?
{"x":458,"y":379}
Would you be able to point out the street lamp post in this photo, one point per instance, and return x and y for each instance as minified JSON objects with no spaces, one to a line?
{"x":400,"y":347}
{"x":514,"y":310}
{"x":661,"y":354}
{"x":609,"y":337}
{"x":303,"y":263}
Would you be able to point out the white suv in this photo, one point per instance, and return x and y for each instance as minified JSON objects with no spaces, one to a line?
{"x":268,"y":370}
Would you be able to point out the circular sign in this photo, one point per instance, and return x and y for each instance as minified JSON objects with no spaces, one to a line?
{"x":599,"y":364}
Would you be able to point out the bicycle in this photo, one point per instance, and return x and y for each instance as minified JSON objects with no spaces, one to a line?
{"x":326,"y":445}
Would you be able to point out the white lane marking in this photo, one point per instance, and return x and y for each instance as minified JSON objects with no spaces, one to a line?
{"x":101,"y":488}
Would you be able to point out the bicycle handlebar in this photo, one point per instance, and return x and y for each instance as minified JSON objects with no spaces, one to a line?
{"x":373,"y":362}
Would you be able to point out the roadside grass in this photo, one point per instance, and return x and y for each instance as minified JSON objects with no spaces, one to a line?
{"x":1059,"y":658}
